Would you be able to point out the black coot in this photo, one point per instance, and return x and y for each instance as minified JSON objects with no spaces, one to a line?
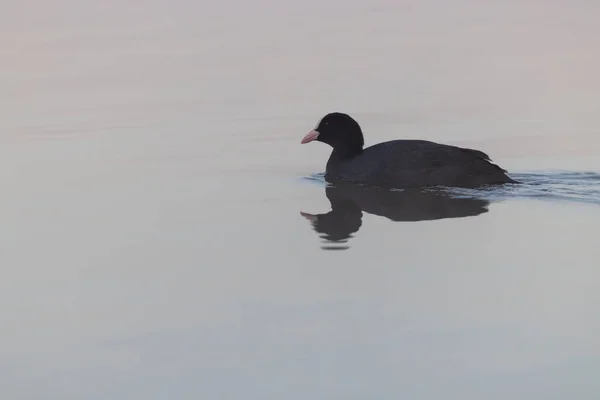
{"x":400,"y":163}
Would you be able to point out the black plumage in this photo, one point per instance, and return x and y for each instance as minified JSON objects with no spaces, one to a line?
{"x":400,"y":163}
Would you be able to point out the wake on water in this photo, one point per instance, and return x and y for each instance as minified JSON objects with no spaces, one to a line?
{"x":569,"y":186}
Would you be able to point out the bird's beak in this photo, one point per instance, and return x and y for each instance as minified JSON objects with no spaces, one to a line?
{"x":310,"y":136}
{"x":311,"y":217}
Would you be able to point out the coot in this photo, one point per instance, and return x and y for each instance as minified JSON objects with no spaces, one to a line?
{"x":400,"y":163}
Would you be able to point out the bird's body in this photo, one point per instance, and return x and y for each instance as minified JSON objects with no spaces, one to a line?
{"x":415,"y":163}
{"x":401,"y":163}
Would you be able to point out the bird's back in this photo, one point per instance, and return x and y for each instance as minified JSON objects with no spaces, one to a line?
{"x":414,"y":163}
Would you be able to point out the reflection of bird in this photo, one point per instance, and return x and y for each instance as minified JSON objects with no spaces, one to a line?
{"x":400,"y":163}
{"x":348,"y":201}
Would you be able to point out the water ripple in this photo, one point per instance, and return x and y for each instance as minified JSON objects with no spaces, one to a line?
{"x":572,"y":186}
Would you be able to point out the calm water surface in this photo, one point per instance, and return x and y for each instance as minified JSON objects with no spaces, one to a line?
{"x":165,"y":235}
